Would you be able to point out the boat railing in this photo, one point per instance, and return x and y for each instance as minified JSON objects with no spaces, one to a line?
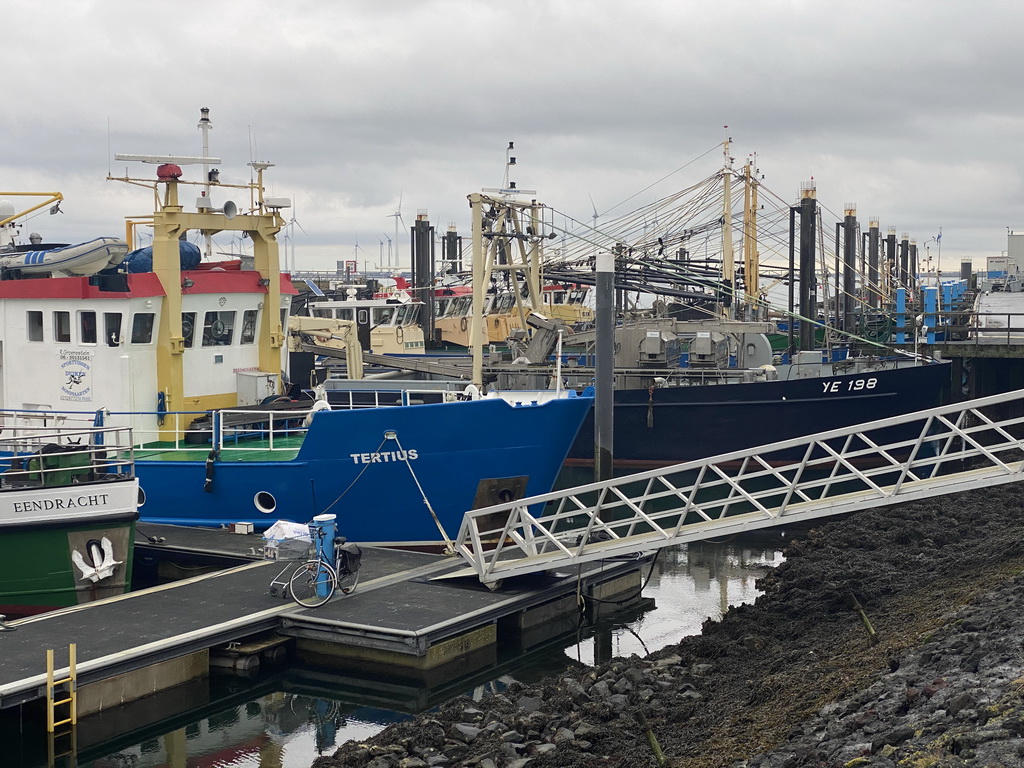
{"x":54,"y":456}
{"x":278,"y":426}
{"x":240,"y":429}
{"x":355,"y":397}
{"x":259,"y":430}
{"x":170,"y":432}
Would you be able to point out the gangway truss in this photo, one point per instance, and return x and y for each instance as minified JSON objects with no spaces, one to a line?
{"x":952,"y":448}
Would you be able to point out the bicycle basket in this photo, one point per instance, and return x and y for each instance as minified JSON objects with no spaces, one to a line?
{"x":288,"y":549}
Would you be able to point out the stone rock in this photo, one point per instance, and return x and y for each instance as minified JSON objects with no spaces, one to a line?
{"x":529,"y":703}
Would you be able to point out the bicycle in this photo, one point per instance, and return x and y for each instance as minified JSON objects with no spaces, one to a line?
{"x":315,"y":581}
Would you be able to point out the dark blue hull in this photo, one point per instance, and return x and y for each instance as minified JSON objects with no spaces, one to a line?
{"x":661,"y":427}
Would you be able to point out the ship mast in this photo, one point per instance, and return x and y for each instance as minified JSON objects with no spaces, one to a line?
{"x":205,"y":126}
{"x":728,"y":259}
{"x":508,"y":237}
{"x":171,"y":222}
{"x":751,"y":259}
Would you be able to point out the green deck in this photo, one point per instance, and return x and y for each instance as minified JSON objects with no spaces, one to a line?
{"x":249,"y":449}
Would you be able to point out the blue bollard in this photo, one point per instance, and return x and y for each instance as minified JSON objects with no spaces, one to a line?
{"x":323,"y":530}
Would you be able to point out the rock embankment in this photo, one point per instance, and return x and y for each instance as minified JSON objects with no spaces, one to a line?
{"x":893,"y":637}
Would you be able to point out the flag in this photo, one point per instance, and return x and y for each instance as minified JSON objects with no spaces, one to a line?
{"x":938,"y":237}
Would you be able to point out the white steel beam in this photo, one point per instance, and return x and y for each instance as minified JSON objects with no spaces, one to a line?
{"x":920,"y":455}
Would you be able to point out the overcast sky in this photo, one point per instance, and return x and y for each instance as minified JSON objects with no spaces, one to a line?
{"x":910,"y":110}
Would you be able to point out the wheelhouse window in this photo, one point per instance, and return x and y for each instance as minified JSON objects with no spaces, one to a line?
{"x":345,"y":313}
{"x":408,"y":314}
{"x":188,"y":328}
{"x":112,"y":328}
{"x":142,"y":328}
{"x":248,"y":327}
{"x":383,"y":315}
{"x":320,"y":312}
{"x":218,"y":328}
{"x":35,"y":325}
{"x":87,"y":327}
{"x":62,"y":326}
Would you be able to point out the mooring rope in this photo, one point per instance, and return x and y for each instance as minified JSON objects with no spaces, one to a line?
{"x":449,"y":544}
{"x":354,"y":480}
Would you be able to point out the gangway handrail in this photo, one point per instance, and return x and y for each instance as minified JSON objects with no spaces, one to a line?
{"x":926,"y":453}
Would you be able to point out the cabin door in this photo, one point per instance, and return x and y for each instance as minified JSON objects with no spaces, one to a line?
{"x":363,"y":327}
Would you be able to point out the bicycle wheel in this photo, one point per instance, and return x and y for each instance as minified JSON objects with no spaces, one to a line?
{"x":347,"y":581}
{"x":312,"y":583}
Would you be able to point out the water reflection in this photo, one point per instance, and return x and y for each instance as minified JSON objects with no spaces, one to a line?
{"x":286,"y":720}
{"x":276,"y":730}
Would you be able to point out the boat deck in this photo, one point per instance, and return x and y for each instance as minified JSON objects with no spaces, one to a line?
{"x":249,"y":448}
{"x":397,"y":608}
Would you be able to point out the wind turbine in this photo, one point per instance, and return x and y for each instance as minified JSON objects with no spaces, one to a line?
{"x":292,"y":223}
{"x":397,"y":216}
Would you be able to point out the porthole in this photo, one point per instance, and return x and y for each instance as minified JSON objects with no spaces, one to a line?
{"x":265,"y":502}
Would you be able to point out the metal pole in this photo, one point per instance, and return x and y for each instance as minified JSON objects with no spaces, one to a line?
{"x":874,"y":292}
{"x":850,"y":269}
{"x":604,"y":366}
{"x":792,"y":279}
{"x":479,"y":278}
{"x":892,"y":260}
{"x":837,"y":318}
{"x":808,"y":279}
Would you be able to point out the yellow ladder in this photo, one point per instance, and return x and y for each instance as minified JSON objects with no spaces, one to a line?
{"x":63,"y":728}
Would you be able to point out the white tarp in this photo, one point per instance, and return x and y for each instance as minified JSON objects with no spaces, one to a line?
{"x":286,"y":529}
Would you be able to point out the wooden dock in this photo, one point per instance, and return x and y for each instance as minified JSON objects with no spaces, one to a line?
{"x":407,"y":620}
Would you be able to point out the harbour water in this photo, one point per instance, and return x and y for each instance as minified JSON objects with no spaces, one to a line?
{"x":285,"y":718}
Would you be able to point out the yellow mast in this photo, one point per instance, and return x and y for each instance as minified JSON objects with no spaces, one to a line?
{"x":170,"y":224}
{"x":476,"y":328}
{"x":751,"y":258}
{"x":501,"y":227}
{"x":728,"y":258}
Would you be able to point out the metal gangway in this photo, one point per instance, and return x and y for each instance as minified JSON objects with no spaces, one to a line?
{"x":959,"y":447}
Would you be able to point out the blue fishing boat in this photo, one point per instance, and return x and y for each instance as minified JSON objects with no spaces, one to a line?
{"x":392,"y":475}
{"x":195,"y":358}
